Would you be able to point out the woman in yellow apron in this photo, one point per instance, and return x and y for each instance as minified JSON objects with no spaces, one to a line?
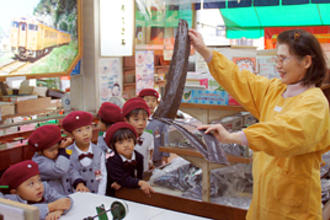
{"x":293,"y":129}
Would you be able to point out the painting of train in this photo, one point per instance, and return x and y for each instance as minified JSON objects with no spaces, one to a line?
{"x":41,"y":39}
{"x":31,"y":39}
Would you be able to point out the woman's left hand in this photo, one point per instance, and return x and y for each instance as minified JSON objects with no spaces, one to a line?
{"x":219,"y":132}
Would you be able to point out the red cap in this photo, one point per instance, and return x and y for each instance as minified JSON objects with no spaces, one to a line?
{"x":45,"y":137}
{"x":110,"y":113}
{"x":77,"y":119}
{"x":18,"y":173}
{"x":148,"y":92}
{"x":135,"y":103}
{"x":114,"y":128}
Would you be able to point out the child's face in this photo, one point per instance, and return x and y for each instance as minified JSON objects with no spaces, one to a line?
{"x":152,"y":102}
{"x":51,"y":152}
{"x":138,"y":121}
{"x":83,"y":135}
{"x":31,"y":189}
{"x":101,"y":126}
{"x":125,"y":147}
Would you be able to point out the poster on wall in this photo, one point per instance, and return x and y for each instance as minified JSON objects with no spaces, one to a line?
{"x":246,"y":63}
{"x":144,"y":70}
{"x":110,"y":72}
{"x":39,"y":38}
{"x":266,"y":66}
{"x":117,"y":27}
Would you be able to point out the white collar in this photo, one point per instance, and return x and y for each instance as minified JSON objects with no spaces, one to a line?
{"x":82,"y":152}
{"x":125,"y":159}
{"x":295,"y":89}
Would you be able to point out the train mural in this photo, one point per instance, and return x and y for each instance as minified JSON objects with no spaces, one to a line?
{"x":31,"y":39}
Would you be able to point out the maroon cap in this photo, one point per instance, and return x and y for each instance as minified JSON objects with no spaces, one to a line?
{"x":135,"y":103}
{"x":110,"y":113}
{"x":114,"y":128}
{"x":18,"y":173}
{"x":77,"y":119}
{"x":148,"y":92}
{"x":45,"y":137}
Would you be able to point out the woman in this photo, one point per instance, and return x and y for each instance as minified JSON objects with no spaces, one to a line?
{"x":293,"y":129}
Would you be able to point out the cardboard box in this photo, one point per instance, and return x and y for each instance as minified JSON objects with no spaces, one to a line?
{"x":35,"y":106}
{"x":7,"y":108}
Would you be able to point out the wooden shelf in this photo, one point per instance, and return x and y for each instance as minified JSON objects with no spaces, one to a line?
{"x":129,"y":84}
{"x":212,"y":107}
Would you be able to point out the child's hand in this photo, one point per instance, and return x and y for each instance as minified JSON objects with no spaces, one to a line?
{"x":115,"y":186}
{"x":60,"y":204}
{"x":164,"y":160}
{"x":54,"y":215}
{"x":145,"y":187}
{"x":66,"y":142}
{"x":151,"y":165}
{"x":81,"y":188}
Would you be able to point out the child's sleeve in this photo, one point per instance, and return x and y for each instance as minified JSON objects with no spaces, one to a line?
{"x":50,"y":169}
{"x":164,"y":142}
{"x":152,"y":143}
{"x":103,"y":182}
{"x":139,"y":166}
{"x":51,"y":195}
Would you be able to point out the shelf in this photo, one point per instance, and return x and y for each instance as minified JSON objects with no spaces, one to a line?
{"x":212,"y":107}
{"x":129,"y":84}
{"x":133,"y":83}
{"x":155,"y":67}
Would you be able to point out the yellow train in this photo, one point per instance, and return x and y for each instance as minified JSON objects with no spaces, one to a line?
{"x":32,"y":39}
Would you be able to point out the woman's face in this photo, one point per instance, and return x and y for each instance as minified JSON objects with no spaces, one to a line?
{"x":290,"y":68}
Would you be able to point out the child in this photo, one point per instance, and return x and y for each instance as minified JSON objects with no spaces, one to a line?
{"x":86,"y":157}
{"x":136,"y":112}
{"x":158,"y":129}
{"x":54,"y":161}
{"x":108,"y":114}
{"x":25,"y":186}
{"x":125,"y":166}
{"x":151,"y":97}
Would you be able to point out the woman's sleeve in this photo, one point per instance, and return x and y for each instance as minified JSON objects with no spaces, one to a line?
{"x":304,"y":129}
{"x":245,"y":87}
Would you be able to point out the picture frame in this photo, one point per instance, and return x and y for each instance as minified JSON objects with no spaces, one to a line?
{"x":41,"y":39}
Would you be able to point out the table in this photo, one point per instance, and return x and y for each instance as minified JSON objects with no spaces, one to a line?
{"x":84,"y":205}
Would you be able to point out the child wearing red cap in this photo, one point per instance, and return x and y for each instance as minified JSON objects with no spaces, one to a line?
{"x":108,"y":114}
{"x":136,"y":112}
{"x":54,"y":160}
{"x":158,"y":129}
{"x":86,"y":157}
{"x":25,"y":186}
{"x":151,"y":97}
{"x":125,"y":165}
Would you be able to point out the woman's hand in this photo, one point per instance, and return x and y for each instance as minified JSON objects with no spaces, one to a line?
{"x":198,"y":43}
{"x":221,"y":134}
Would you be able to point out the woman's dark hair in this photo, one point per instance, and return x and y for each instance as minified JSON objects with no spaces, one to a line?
{"x":302,"y":43}
{"x":122,"y":134}
{"x":135,"y":112}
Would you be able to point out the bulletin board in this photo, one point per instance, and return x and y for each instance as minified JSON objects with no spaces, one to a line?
{"x":41,"y":39}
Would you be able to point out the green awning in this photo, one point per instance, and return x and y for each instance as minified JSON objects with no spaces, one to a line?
{"x":249,"y":22}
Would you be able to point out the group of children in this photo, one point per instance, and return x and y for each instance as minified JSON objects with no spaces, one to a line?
{"x":61,"y":166}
